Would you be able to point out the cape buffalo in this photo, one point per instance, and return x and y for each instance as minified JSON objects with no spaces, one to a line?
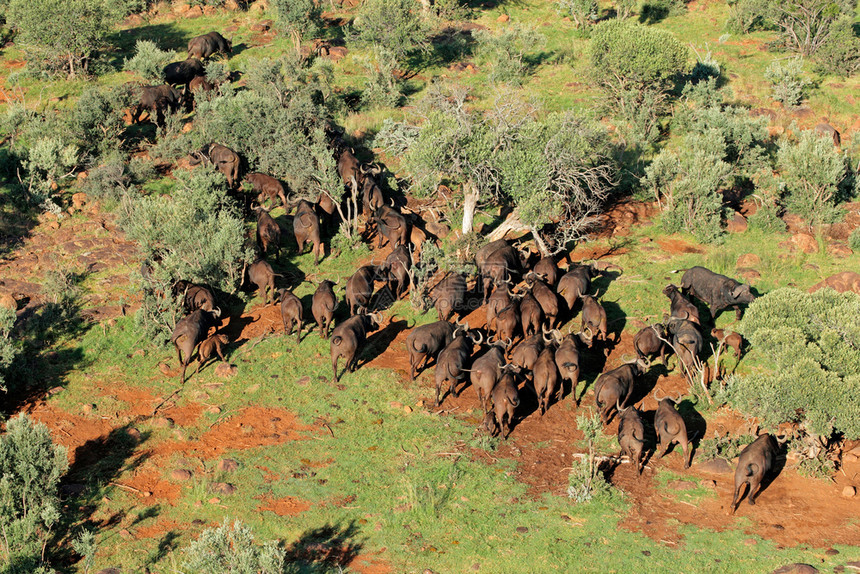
{"x":718,"y":291}
{"x":155,"y":100}
{"x":212,"y":43}
{"x":179,"y":73}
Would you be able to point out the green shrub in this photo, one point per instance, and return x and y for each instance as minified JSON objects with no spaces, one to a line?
{"x":788,"y":82}
{"x":97,"y":121}
{"x":581,"y":12}
{"x":766,"y":218}
{"x":586,"y":481}
{"x":507,"y":52}
{"x":391,"y":26}
{"x":116,"y":178}
{"x":854,"y":240}
{"x":382,"y":88}
{"x":810,"y":344}
{"x":656,"y":10}
{"x":149,"y":61}
{"x":299,"y":18}
{"x":727,"y":447}
{"x":840,"y":53}
{"x":85,"y":546}
{"x":61,"y":35}
{"x":9,"y":349}
{"x":746,"y":16}
{"x":816,"y":467}
{"x":30,"y":469}
{"x":624,"y":8}
{"x":812,"y":171}
{"x":230,"y":549}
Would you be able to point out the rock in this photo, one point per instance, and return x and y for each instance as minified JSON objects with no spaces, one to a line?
{"x":88,"y":408}
{"x":212,"y":386}
{"x":750,"y":541}
{"x":194,"y":12}
{"x":209,"y":10}
{"x":749,"y":274}
{"x":224,"y":488}
{"x":794,"y":222}
{"x":407,"y":409}
{"x":6,"y":300}
{"x":79,"y":199}
{"x":805,"y":242}
{"x":162,"y":423}
{"x":849,"y":491}
{"x":737,"y":224}
{"x":181,"y":475}
{"x":133,"y":433}
{"x":831,"y":552}
{"x":715,"y":466}
{"x":228,"y":465}
{"x":748,"y":260}
{"x":841,"y":282}
{"x":180,"y":8}
{"x":214,"y":500}
{"x":231,"y":5}
{"x":839,"y":250}
{"x":164,"y":368}
{"x":214,"y":410}
{"x":503,"y":18}
{"x":226,"y":370}
{"x":522,"y":529}
{"x":681,"y":484}
{"x":796,"y":568}
{"x":304,"y":381}
{"x":259,"y":6}
{"x":139,"y":353}
{"x":262,"y":26}
{"x":336,"y":53}
{"x":110,"y":570}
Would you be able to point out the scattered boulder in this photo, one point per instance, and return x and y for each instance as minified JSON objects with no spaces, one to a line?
{"x":841,"y":282}
{"x":79,"y":199}
{"x":6,"y":300}
{"x":195,"y":12}
{"x":162,"y":422}
{"x":749,"y":274}
{"x":228,"y":465}
{"x":839,"y":250}
{"x":748,"y":260}
{"x":262,"y":26}
{"x":715,"y":466}
{"x":181,"y":475}
{"x":805,"y":242}
{"x":737,"y":224}
{"x":304,"y":381}
{"x":796,"y":568}
{"x":224,"y":488}
{"x":849,"y":492}
{"x":226,"y":370}
{"x":503,"y":18}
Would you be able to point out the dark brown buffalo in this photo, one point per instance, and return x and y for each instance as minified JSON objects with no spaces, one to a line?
{"x":500,"y":299}
{"x":546,"y":379}
{"x":503,"y":266}
{"x":687,"y":341}
{"x":449,"y":295}
{"x":190,"y":331}
{"x":718,"y":291}
{"x":194,"y":296}
{"x":180,"y":73}
{"x":594,"y":323}
{"x":306,"y":227}
{"x":548,"y":301}
{"x":531,"y":315}
{"x":453,"y":360}
{"x":649,"y":342}
{"x":359,"y":289}
{"x":372,"y":197}
{"x":507,"y":322}
{"x":212,"y":346}
{"x":575,"y":283}
{"x":614,"y":388}
{"x":156,"y":100}
{"x":505,"y":398}
{"x":197,"y":86}
{"x":261,"y":274}
{"x":267,"y":187}
{"x":526,"y":353}
{"x":827,"y":130}
{"x":291,"y":312}
{"x":348,"y":338}
{"x":631,"y":436}
{"x":567,"y":361}
{"x":754,"y":463}
{"x":397,"y":267}
{"x":481,"y":259}
{"x":680,"y":306}
{"x":485,"y":373}
{"x":222,"y":158}
{"x":671,"y":429}
{"x":547,"y":270}
{"x":392,"y":226}
{"x":326,"y":204}
{"x":268,"y":232}
{"x":426,"y":342}
{"x":349,"y":169}
{"x":208,"y":44}
{"x":323,"y":305}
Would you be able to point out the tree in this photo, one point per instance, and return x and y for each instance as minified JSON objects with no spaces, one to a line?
{"x":582,"y":11}
{"x":840,"y":52}
{"x":30,"y":469}
{"x":230,"y":549}
{"x":555,"y":170}
{"x":149,"y":61}
{"x":635,"y":66}
{"x":61,"y":35}
{"x":812,"y":171}
{"x":392,"y":26}
{"x":507,"y":51}
{"x":299,"y":18}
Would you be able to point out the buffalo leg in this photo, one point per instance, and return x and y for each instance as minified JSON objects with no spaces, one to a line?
{"x":334,"y":367}
{"x":755,"y":490}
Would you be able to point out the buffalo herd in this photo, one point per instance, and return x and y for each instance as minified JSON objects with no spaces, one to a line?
{"x":526,"y":299}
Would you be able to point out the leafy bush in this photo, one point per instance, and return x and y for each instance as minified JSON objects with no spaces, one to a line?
{"x":49,"y":161}
{"x":810,"y":343}
{"x":507,"y":52}
{"x":8,"y":347}
{"x":854,"y":240}
{"x":766,"y":218}
{"x":85,"y":546}
{"x":580,"y":11}
{"x":623,"y":8}
{"x":30,"y":469}
{"x":299,"y":18}
{"x":816,"y":467}
{"x":195,"y":233}
{"x":656,"y":10}
{"x":97,"y":120}
{"x":61,"y":35}
{"x":840,"y":53}
{"x":230,"y":549}
{"x":727,"y":447}
{"x":115,"y":178}
{"x":787,"y":79}
{"x":382,"y":88}
{"x":746,"y":16}
{"x":391,"y":26}
{"x":149,"y":60}
{"x":812,"y":171}
{"x":586,"y":481}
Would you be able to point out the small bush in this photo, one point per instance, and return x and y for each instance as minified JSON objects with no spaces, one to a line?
{"x":766,"y":218}
{"x":9,"y":348}
{"x":854,"y":240}
{"x":581,"y":12}
{"x":840,"y":53}
{"x":746,"y":16}
{"x":97,"y":121}
{"x":624,"y":8}
{"x":811,"y":343}
{"x":812,"y":171}
{"x":299,"y":18}
{"x":817,"y":467}
{"x":115,"y":178}
{"x":149,"y":60}
{"x":586,"y":481}
{"x":507,"y":52}
{"x":394,"y":27}
{"x":727,"y":447}
{"x":30,"y":466}
{"x":788,"y":82}
{"x":381,"y":89}
{"x":231,"y":549}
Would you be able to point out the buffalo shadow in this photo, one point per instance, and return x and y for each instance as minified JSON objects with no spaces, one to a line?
{"x":380,"y":340}
{"x":325,"y":549}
